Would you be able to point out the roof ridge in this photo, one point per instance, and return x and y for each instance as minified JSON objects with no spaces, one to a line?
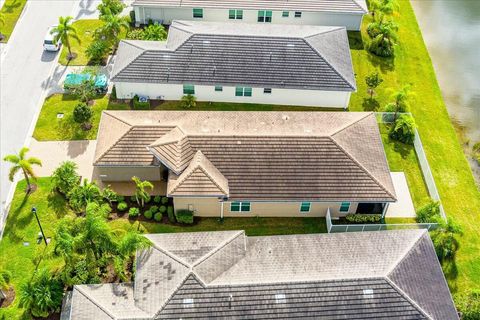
{"x":94,"y":302}
{"x":328,"y":62}
{"x":220,"y":246}
{"x":133,"y":58}
{"x":399,"y":260}
{"x":212,"y":179}
{"x":115,"y":143}
{"x":162,"y":305}
{"x":407,"y":297}
{"x":155,"y":144}
{"x":348,"y":125}
{"x":171,"y":255}
{"x":362,"y":167}
{"x":360,"y":6}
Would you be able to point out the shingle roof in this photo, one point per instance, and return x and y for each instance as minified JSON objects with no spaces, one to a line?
{"x":201,"y":177}
{"x":341,"y":6}
{"x":388,"y":274}
{"x":210,"y":53}
{"x":298,"y":155}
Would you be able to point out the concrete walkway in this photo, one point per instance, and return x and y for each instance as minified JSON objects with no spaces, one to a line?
{"x":403,"y":208}
{"x":52,"y":153}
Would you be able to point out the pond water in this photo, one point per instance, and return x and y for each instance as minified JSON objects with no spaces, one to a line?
{"x":451,"y":29}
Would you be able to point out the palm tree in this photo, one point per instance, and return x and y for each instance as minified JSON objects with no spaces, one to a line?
{"x":400,"y":101}
{"x":444,"y":238}
{"x":384,"y":6}
{"x":20,"y":162}
{"x":83,"y":194}
{"x":113,"y":25}
{"x":141,"y":195}
{"x":64,"y":31}
{"x":383,"y":34}
{"x":126,"y":249}
{"x":65,"y":240}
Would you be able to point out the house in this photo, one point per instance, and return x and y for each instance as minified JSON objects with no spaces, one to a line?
{"x":250,"y":163}
{"x":225,"y":62}
{"x":227,"y":275}
{"x":344,"y":13}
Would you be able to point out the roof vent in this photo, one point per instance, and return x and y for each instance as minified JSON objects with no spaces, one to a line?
{"x":239,"y":142}
{"x":191,"y":49}
{"x":290,"y":45}
{"x":280,"y":298}
{"x":206,"y":42}
{"x":285,"y":117}
{"x":230,"y":300}
{"x":368,"y":293}
{"x":188,"y":303}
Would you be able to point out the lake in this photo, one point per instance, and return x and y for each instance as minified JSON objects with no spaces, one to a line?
{"x":451,"y":29}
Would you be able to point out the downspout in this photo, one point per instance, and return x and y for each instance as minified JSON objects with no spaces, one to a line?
{"x":385,"y":208}
{"x":221,"y":209}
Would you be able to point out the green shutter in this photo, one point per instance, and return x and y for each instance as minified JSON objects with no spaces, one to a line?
{"x":285,"y":14}
{"x":305,"y":207}
{"x":298,"y":14}
{"x":247,"y":92}
{"x":235,"y":207}
{"x":188,"y":89}
{"x":198,"y":13}
{"x":261,"y":16}
{"x":239,"y":14}
{"x":231,"y":14}
{"x":268,"y":16}
{"x":245,"y":206}
{"x":218,"y":88}
{"x":345,"y":206}
{"x":239,"y":91}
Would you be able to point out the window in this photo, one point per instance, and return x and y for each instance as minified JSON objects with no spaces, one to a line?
{"x":235,"y":14}
{"x":267,"y":90}
{"x":264,"y":16}
{"x":218,"y":88}
{"x":305,"y":207}
{"x":188,"y":89}
{"x":298,"y":14}
{"x":345,"y":206}
{"x":198,"y":13}
{"x":240,"y":207}
{"x":285,"y":14}
{"x":243,"y":92}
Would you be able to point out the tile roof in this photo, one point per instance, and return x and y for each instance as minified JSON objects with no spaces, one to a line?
{"x":388,"y":274}
{"x":201,"y":177}
{"x":210,"y":53}
{"x":340,"y":6}
{"x":297,"y":155}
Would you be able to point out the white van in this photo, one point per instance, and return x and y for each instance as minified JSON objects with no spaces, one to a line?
{"x":49,"y":42}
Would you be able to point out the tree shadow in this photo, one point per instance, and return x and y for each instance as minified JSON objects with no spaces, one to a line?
{"x":383,"y":63}
{"x":57,"y":203}
{"x":18,"y":222}
{"x":9,"y":7}
{"x":370,"y":104}
{"x":403,"y":149}
{"x":355,"y":40}
{"x":450,"y":271}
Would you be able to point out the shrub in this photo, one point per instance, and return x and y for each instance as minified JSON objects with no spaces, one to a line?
{"x":120,"y":198}
{"x":82,"y":115}
{"x":162,"y":209}
{"x":133,"y":199}
{"x":158,"y":216}
{"x":363,"y":218}
{"x":154,"y":209}
{"x":188,"y":101}
{"x":148,"y":199}
{"x":469,"y":305}
{"x":164,"y":200}
{"x":137,"y":105}
{"x":148,"y":214}
{"x":403,"y":130}
{"x":171,"y":215}
{"x":157,"y":199}
{"x":114,"y":7}
{"x":154,"y":32}
{"x":85,"y":91}
{"x":122,"y":206}
{"x":65,"y":178}
{"x":133,"y":212}
{"x":109,"y":195}
{"x":429,"y":212}
{"x":184,"y":216}
{"x":135,"y":34}
{"x":97,"y":51}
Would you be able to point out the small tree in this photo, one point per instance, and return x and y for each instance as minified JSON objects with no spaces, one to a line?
{"x":83,"y":194}
{"x":400,"y":101}
{"x":429,"y":212}
{"x":383,"y":34}
{"x":383,"y":6}
{"x":85,"y":91}
{"x":82,"y":115}
{"x":21,"y":162}
{"x":41,"y":295}
{"x":65,"y":178}
{"x":373,"y":80}
{"x":113,"y":24}
{"x":97,"y":51}
{"x":126,"y":249}
{"x":154,"y":32}
{"x":403,"y":129}
{"x":444,"y":239}
{"x":141,"y":194}
{"x":109,"y":195}
{"x":64,"y":31}
{"x":110,"y":6}
{"x":189,"y":101}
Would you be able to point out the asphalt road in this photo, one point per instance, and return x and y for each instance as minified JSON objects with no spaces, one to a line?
{"x":25,"y":71}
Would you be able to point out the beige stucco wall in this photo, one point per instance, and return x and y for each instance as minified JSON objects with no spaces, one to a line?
{"x":211,"y":207}
{"x":167,"y":15}
{"x":126,"y":173}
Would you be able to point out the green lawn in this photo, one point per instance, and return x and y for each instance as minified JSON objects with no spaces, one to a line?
{"x":22,"y":227}
{"x":460,"y":196}
{"x":11,"y":11}
{"x":85,"y":31}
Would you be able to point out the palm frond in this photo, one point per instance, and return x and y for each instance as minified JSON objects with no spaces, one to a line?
{"x":13,"y":171}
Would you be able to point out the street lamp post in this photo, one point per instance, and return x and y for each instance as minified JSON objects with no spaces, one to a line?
{"x":34,"y":211}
